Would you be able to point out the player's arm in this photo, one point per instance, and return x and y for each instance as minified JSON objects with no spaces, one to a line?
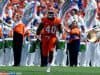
{"x":60,"y":28}
{"x":39,"y":29}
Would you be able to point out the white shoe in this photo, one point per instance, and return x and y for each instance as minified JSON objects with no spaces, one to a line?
{"x":53,"y":65}
{"x":63,"y":65}
{"x":31,"y":65}
{"x":48,"y":69}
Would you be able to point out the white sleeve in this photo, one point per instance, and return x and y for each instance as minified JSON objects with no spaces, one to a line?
{"x":81,"y":21}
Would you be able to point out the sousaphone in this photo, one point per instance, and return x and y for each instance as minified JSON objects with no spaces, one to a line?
{"x":93,"y":35}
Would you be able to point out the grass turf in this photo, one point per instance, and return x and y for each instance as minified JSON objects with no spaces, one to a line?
{"x":54,"y":70}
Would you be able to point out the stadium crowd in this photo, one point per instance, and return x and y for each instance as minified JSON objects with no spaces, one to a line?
{"x":78,"y":18}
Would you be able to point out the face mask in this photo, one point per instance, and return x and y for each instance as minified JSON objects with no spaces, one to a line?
{"x":50,"y":15}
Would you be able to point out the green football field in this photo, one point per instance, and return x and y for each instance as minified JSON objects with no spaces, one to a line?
{"x":54,"y":70}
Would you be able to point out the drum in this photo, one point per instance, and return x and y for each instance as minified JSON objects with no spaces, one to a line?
{"x":35,"y":44}
{"x":82,"y":47}
{"x":60,"y":44}
{"x":8,"y":42}
{"x":1,"y":44}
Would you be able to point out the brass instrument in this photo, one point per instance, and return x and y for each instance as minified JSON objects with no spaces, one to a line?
{"x":93,"y":34}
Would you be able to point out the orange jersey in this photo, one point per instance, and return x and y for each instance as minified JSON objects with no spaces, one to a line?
{"x":48,"y":44}
{"x":48,"y":35}
{"x":75,"y":31}
{"x":50,"y":26}
{"x":1,"y":32}
{"x":74,"y":34}
{"x":20,"y":28}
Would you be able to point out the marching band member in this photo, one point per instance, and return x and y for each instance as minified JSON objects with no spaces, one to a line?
{"x":61,"y":57}
{"x":7,"y":33}
{"x":8,"y":45}
{"x":34,"y":47}
{"x":18,"y":36}
{"x":75,"y":15}
{"x":90,"y":17}
{"x":74,"y":43}
{"x":8,"y":54}
{"x":31,"y":50}
{"x":97,"y":26}
{"x":3,"y":4}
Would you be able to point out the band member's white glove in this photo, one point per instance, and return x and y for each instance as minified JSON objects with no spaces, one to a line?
{"x":38,"y":37}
